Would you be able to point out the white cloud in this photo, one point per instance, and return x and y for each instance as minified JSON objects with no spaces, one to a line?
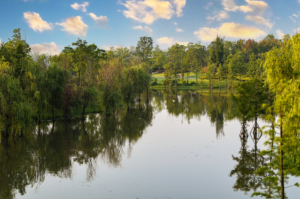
{"x":112,"y":47}
{"x":232,"y":30}
{"x":259,"y":20}
{"x":101,"y":20}
{"x":147,"y":11}
{"x":179,"y":5}
{"x":280,"y":34}
{"x":35,"y":22}
{"x":146,"y":29}
{"x":75,"y":26}
{"x":229,"y":5}
{"x":170,"y":41}
{"x":77,"y":6}
{"x":179,"y":30}
{"x":175,"y":23}
{"x":295,"y":15}
{"x":219,"y":16}
{"x":257,"y":7}
{"x":46,"y":48}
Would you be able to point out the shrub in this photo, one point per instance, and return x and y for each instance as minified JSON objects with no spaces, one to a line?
{"x":154,"y":83}
{"x":165,"y":82}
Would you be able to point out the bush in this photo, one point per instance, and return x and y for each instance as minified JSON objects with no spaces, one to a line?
{"x":165,"y":82}
{"x":154,"y":83}
{"x":192,"y":83}
{"x":155,"y":80}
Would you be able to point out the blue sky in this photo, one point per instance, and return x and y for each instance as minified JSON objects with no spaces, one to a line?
{"x":49,"y":25}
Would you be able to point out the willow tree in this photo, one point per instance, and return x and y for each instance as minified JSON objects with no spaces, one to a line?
{"x":15,"y":108}
{"x":128,"y":88}
{"x":55,"y":82}
{"x":231,"y":65}
{"x":109,"y":80}
{"x":282,"y":68}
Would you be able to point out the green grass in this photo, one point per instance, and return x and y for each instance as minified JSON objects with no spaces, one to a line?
{"x":158,"y":75}
{"x":191,"y":75}
{"x":205,"y":83}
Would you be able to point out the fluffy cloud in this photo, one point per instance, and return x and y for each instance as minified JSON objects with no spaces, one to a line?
{"x":75,"y":26}
{"x":147,"y":11}
{"x":280,"y":34}
{"x":112,"y":47}
{"x":179,"y":30}
{"x":179,"y":5}
{"x":232,"y":30}
{"x":146,"y":29}
{"x":35,"y":22}
{"x":101,"y":20}
{"x":175,"y":23}
{"x":258,"y":7}
{"x":46,"y":48}
{"x":170,"y":41}
{"x":219,"y":16}
{"x":77,"y":6}
{"x":259,"y":20}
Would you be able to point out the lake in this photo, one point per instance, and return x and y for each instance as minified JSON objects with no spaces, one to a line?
{"x":183,"y":145}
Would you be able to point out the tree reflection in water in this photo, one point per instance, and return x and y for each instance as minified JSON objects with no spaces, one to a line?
{"x":53,"y":148}
{"x":247,"y":163}
{"x":219,"y":107}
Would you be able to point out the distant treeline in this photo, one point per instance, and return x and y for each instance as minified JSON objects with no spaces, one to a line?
{"x":33,"y":88}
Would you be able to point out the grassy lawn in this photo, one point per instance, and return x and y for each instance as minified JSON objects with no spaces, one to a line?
{"x":191,"y":75}
{"x":192,"y":82}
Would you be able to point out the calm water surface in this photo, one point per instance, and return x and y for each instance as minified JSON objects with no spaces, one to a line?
{"x":184,"y":145}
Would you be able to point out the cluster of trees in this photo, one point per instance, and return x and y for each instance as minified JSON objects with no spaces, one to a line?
{"x":277,"y":98}
{"x":220,"y":60}
{"x":33,"y":87}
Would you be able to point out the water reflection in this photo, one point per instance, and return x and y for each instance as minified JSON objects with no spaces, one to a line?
{"x":54,"y":148}
{"x":219,"y":107}
{"x":248,"y":162}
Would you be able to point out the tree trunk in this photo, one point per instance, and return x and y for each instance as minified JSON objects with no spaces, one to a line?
{"x":53,"y":119}
{"x":147,"y":96}
{"x":139,"y":97}
{"x":187,"y":78}
{"x":83,"y":111}
{"x":6,"y":134}
{"x":39,"y":120}
{"x":281,"y":160}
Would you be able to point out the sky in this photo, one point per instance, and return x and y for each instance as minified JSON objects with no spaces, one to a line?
{"x":50,"y":25}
